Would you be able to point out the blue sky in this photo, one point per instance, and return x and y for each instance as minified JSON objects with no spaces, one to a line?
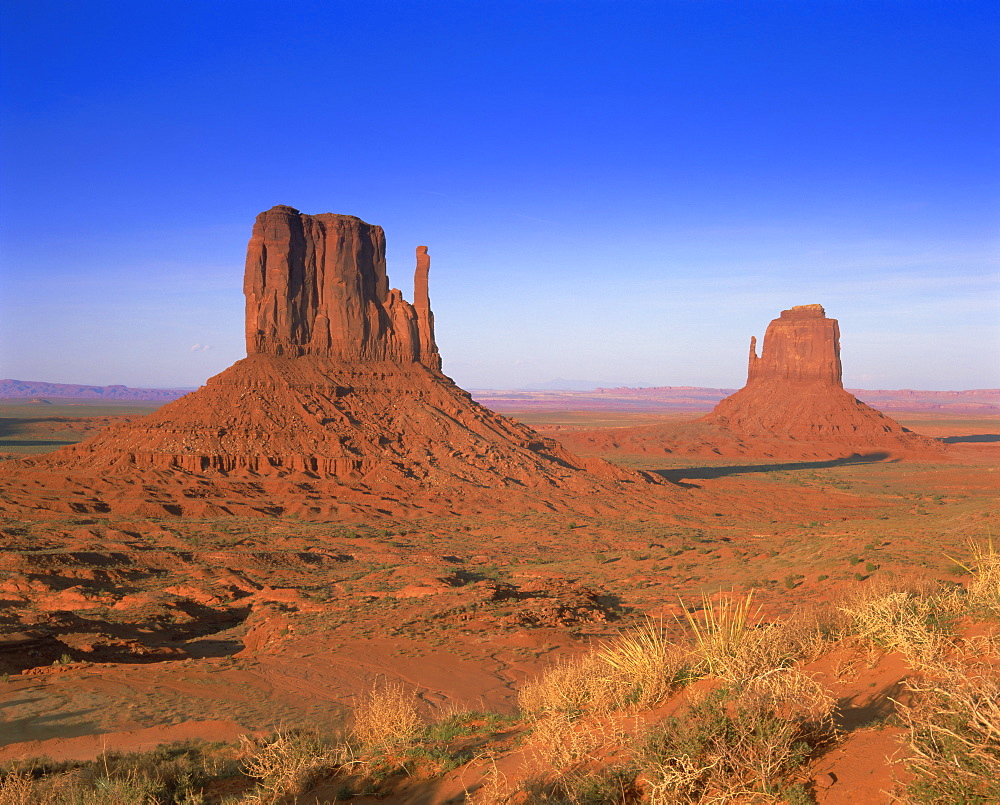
{"x":618,"y":191}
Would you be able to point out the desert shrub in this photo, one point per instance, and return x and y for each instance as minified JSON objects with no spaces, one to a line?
{"x":918,"y":625}
{"x":286,"y":762}
{"x":606,"y":786}
{"x":983,"y":588}
{"x":953,"y":732}
{"x":386,"y":717}
{"x":738,"y":744}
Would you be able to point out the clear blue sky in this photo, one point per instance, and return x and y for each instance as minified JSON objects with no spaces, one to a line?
{"x":618,"y":191}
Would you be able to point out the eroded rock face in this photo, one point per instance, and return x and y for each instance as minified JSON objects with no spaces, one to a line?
{"x":803,"y":345}
{"x":317,"y":285}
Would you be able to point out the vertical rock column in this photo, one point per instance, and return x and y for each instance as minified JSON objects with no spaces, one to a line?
{"x":429,"y":355}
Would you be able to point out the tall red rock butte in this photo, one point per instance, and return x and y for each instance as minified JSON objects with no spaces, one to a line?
{"x":339,"y":409}
{"x":793,"y":406}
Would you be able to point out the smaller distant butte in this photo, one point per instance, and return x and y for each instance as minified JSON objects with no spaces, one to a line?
{"x":793,"y":406}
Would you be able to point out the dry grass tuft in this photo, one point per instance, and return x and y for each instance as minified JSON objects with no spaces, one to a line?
{"x":386,"y":717}
{"x":637,"y":668}
{"x":899,"y":620}
{"x":577,"y":763}
{"x":644,"y":665}
{"x":570,"y":687}
{"x":560,"y":743}
{"x":983,"y":590}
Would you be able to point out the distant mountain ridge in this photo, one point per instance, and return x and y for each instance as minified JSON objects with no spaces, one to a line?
{"x":695,"y":398}
{"x":691,"y":398}
{"x":28,"y":389}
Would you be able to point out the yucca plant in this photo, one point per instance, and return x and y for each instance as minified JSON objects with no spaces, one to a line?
{"x":645,"y":663}
{"x":723,"y":634}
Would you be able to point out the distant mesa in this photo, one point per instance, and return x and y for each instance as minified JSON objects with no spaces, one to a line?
{"x":339,"y":409}
{"x":793,"y":406}
{"x":33,"y":389}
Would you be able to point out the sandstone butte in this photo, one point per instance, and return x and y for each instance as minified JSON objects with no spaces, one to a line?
{"x":793,"y":405}
{"x":340,"y":409}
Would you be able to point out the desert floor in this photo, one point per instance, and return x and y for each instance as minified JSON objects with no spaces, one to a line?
{"x":121,"y":634}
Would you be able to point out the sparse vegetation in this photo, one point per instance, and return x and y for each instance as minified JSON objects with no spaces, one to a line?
{"x":737,"y":743}
{"x":596,"y":712}
{"x":386,"y":717}
{"x":953,"y":732}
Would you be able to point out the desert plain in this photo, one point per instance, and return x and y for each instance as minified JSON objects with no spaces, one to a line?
{"x":567,"y":598}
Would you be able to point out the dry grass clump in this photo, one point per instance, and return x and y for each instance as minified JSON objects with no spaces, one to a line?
{"x":287,"y":763}
{"x":570,"y":687}
{"x":386,"y":718}
{"x":953,"y":732}
{"x":644,"y":666}
{"x":742,"y":741}
{"x":69,"y":788}
{"x":579,"y":762}
{"x":983,"y":590}
{"x":172,"y":773}
{"x":561,"y":743}
{"x":918,"y":625}
{"x":640,"y":668}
